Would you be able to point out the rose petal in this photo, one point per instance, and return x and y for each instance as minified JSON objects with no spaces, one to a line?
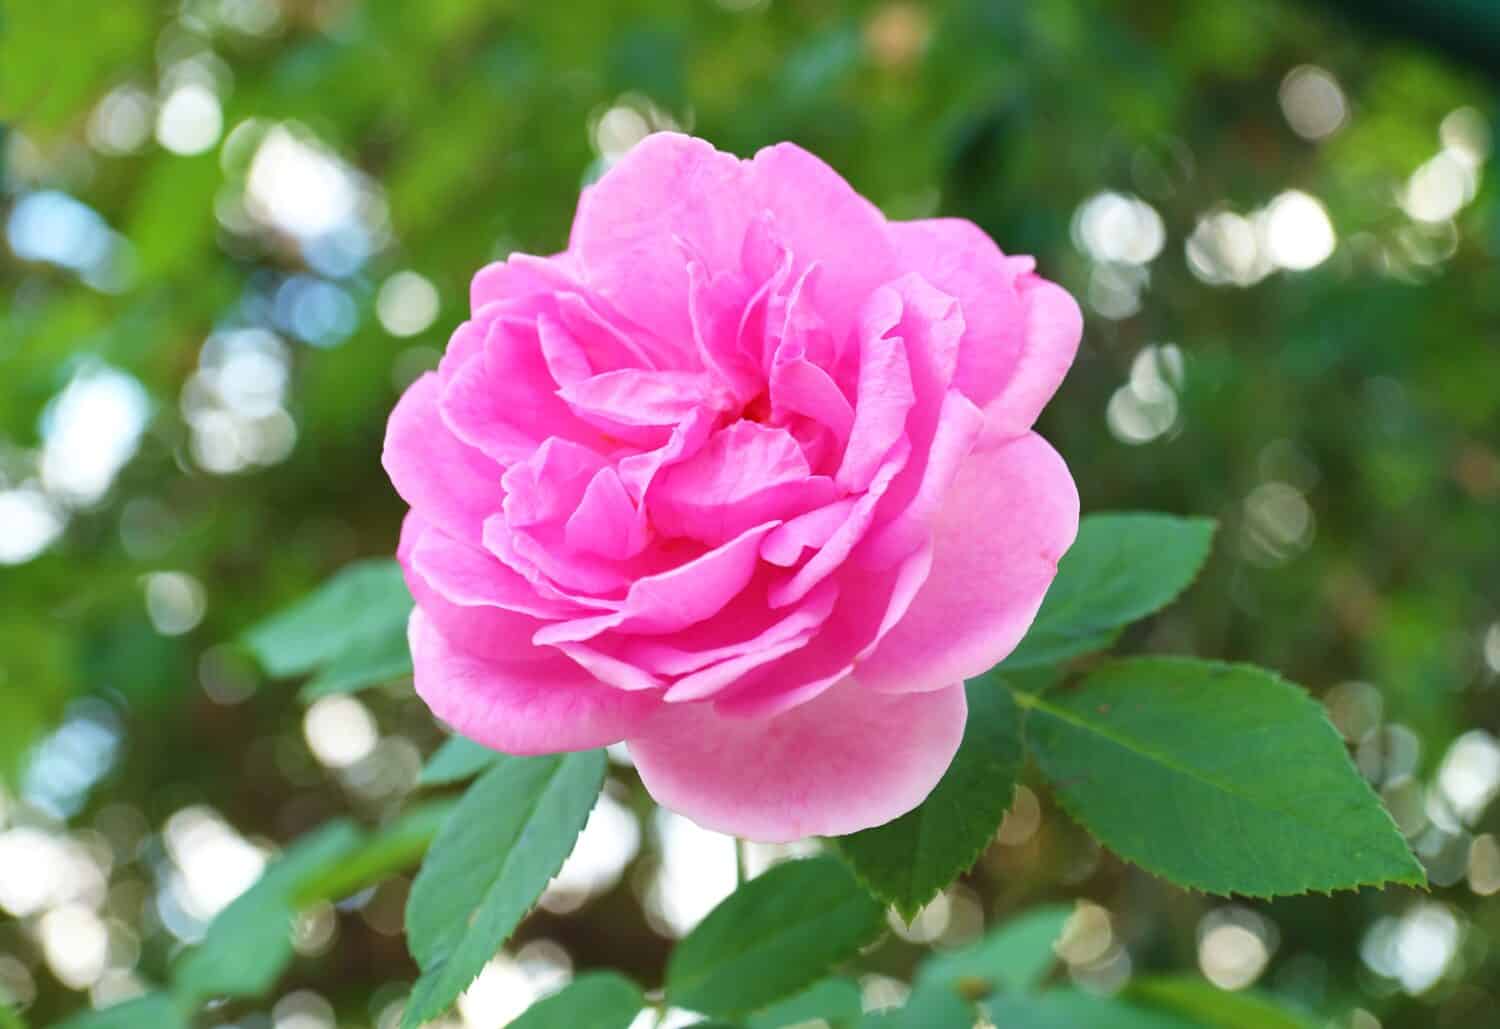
{"x":540,"y":707}
{"x":450,"y":484}
{"x":833,"y":553}
{"x":1054,"y":327}
{"x":821,"y":219}
{"x":745,"y":475}
{"x":871,"y":604}
{"x":501,"y":400}
{"x":885,"y":396}
{"x":606,"y":522}
{"x":958,"y":258}
{"x":676,"y":598}
{"x":845,"y":761}
{"x":669,"y":193}
{"x":905,"y":518}
{"x":1009,"y":515}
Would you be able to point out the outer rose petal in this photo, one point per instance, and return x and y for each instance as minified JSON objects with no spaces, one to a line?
{"x":1022,"y":331}
{"x":1054,"y":326}
{"x":539,"y":707}
{"x":844,"y":761}
{"x":1009,"y":515}
{"x":448,"y":483}
{"x":819,"y":217}
{"x":669,"y":192}
{"x":478,"y":604}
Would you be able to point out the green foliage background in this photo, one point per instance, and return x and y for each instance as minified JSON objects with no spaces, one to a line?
{"x":1368,"y":385}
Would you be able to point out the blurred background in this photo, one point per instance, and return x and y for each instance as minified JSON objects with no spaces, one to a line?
{"x":233,"y":230}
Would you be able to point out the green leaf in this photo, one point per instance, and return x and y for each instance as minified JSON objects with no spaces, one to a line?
{"x":598,"y":1000}
{"x":508,"y":836}
{"x":456,"y":760}
{"x":1219,"y":777}
{"x":10,"y":1018}
{"x":385,"y":852}
{"x":249,"y":944}
{"x":1074,"y":1009}
{"x":928,"y":1007}
{"x":1213,"y":1008}
{"x":772,"y":937}
{"x":1121,"y":568}
{"x":833,"y":1000}
{"x":148,"y":1011}
{"x":1012,"y":958}
{"x":381,"y":659}
{"x":361,"y":606}
{"x":907,"y":861}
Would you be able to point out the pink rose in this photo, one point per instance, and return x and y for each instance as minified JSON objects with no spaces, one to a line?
{"x":746,"y":478}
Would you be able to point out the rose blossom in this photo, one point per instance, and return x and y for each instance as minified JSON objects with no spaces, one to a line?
{"x":744,"y":477}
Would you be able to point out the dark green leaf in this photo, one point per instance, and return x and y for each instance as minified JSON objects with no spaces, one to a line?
{"x":907,"y":861}
{"x":1010,"y":959}
{"x":456,"y":760}
{"x":508,"y":836}
{"x":1214,"y":1008}
{"x":772,"y":937}
{"x":1074,"y":1009}
{"x":1219,"y":777}
{"x":362,"y":605}
{"x":148,"y":1011}
{"x":596,"y":1000}
{"x":833,"y":1000}
{"x":249,"y":944}
{"x":1122,"y":568}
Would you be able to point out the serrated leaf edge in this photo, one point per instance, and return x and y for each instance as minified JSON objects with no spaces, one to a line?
{"x":1028,"y":701}
{"x":438,"y":962}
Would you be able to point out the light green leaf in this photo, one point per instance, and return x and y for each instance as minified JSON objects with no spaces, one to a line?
{"x":456,"y":760}
{"x":508,"y":836}
{"x":364,"y":604}
{"x":249,"y":944}
{"x":772,"y":937}
{"x":907,"y":861}
{"x":148,"y":1011}
{"x":836,"y":1001}
{"x":928,"y":1007}
{"x":1121,"y":568}
{"x":1012,"y":958}
{"x":10,"y":1018}
{"x":598,"y":1000}
{"x":381,"y":659}
{"x":1219,"y":777}
{"x":385,"y":852}
{"x":1074,"y":1009}
{"x":1214,"y":1008}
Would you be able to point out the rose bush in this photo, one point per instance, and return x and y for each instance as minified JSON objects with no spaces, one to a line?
{"x":745,"y":477}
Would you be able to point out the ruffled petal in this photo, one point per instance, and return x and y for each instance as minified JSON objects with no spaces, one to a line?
{"x":539,"y":707}
{"x":674,"y":599}
{"x":820,"y":218}
{"x":885,"y":395}
{"x":447,"y":482}
{"x":905,"y":518}
{"x":845,"y":761}
{"x":670,"y":194}
{"x":1054,"y":327}
{"x":501,"y":400}
{"x":1009,"y":516}
{"x":745,"y":475}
